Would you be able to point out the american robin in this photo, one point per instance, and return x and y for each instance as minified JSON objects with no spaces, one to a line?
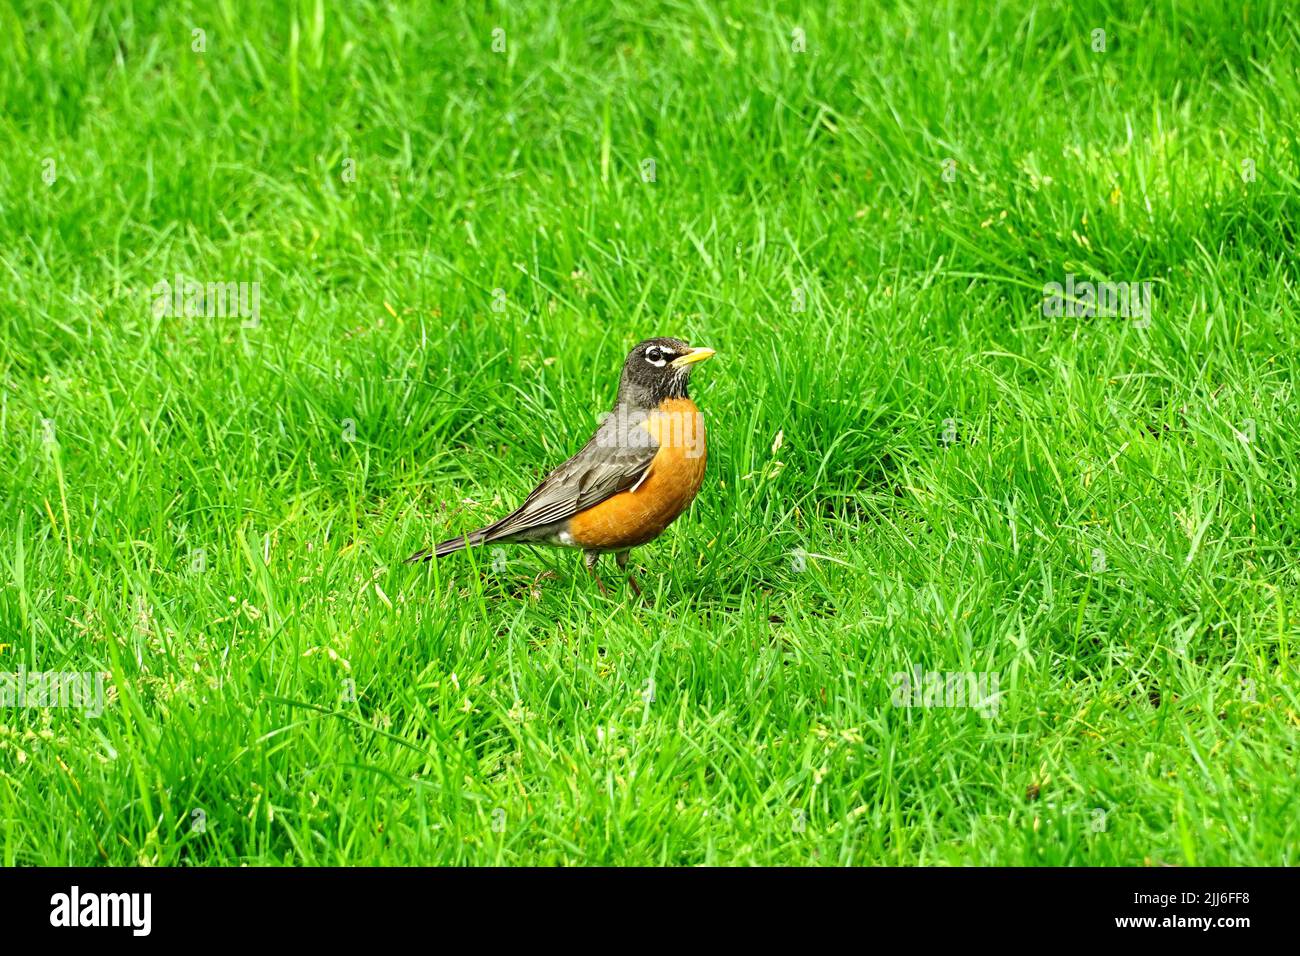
{"x":639,"y":471}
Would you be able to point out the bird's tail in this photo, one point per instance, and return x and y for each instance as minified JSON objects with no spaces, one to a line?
{"x":450,"y":546}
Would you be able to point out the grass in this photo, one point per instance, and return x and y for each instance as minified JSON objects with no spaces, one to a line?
{"x":919,"y":468}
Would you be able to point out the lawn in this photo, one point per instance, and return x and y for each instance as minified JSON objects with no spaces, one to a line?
{"x":450,"y":224}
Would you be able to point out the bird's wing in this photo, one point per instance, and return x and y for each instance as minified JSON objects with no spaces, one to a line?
{"x":615,"y":459}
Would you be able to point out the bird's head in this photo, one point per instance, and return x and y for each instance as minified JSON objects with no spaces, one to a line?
{"x":658,"y":369}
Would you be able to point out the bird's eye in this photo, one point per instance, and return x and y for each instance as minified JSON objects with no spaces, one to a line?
{"x":654,"y":355}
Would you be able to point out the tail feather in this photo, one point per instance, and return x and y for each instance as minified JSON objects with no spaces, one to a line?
{"x":450,"y":546}
{"x":501,"y":530}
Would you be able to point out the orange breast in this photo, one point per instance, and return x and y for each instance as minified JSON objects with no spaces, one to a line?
{"x":634,"y":517}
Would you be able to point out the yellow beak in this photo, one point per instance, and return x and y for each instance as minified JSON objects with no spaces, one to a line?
{"x":693,"y":356}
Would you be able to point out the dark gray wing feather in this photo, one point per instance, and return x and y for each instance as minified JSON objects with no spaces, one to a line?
{"x":615,"y":459}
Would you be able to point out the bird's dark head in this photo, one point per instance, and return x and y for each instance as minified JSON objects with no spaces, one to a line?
{"x":658,"y":369}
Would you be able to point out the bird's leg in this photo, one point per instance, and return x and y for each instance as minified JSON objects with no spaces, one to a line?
{"x":622,"y":558}
{"x":590,"y":558}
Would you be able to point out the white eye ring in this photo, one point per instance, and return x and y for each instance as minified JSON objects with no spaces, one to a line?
{"x":655,"y":356}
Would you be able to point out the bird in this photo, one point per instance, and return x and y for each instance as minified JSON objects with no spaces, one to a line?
{"x":640,"y":470}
